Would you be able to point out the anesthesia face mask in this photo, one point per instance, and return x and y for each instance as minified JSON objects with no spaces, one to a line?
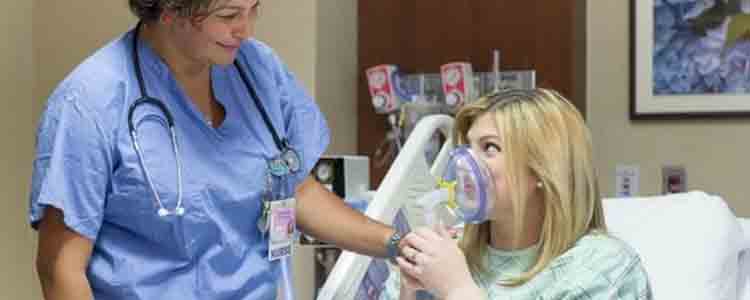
{"x":469,"y":185}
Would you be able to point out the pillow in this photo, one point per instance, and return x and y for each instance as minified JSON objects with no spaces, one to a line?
{"x":743,"y":282}
{"x":689,"y":243}
{"x":745,"y":224}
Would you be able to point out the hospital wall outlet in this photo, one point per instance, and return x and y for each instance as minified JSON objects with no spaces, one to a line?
{"x":674,"y":179}
{"x":627,"y":179}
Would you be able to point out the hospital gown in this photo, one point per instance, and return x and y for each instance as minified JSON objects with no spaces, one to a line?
{"x":597,"y":267}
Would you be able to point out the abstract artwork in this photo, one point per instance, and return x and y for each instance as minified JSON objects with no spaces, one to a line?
{"x":690,"y":58}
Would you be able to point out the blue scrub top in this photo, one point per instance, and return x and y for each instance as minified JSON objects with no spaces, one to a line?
{"x":85,"y":166}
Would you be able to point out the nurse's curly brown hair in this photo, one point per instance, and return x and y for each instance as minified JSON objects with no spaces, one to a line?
{"x":150,"y":10}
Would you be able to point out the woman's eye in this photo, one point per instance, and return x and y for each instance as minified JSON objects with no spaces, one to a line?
{"x":228,"y":17}
{"x":491,"y":148}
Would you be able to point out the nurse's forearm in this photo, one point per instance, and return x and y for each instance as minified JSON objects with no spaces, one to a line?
{"x":325,"y":216}
{"x":66,"y":286}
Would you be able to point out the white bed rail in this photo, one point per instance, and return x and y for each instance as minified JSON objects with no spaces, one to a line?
{"x":408,"y":178}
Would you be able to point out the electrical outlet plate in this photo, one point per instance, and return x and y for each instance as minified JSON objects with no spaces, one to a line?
{"x":627,"y":178}
{"x":673,"y":179}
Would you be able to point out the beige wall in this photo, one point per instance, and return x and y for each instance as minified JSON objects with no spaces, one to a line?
{"x":290,"y":28}
{"x":714,"y":152}
{"x":336,"y":71}
{"x":66,"y":32}
{"x":318,"y":41}
{"x":16,"y":60}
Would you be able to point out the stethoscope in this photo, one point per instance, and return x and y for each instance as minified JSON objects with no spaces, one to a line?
{"x":287,"y":162}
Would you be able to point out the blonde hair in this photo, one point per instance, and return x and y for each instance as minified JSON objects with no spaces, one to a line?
{"x":545,"y":136}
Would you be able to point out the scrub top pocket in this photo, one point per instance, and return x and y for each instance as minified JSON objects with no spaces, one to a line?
{"x":134,"y":216}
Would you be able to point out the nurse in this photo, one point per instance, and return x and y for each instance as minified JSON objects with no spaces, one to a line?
{"x":171,"y":163}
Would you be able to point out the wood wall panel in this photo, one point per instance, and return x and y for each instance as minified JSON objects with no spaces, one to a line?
{"x":444,"y":33}
{"x":421,"y":35}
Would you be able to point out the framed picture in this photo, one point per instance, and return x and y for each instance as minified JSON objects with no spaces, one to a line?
{"x":690,"y":58}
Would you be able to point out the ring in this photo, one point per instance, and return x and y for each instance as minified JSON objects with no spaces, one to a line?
{"x":414,"y":257}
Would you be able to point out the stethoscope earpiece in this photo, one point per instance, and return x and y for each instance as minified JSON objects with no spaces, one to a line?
{"x":178,"y":211}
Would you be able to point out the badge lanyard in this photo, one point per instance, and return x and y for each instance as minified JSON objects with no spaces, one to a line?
{"x":284,"y":164}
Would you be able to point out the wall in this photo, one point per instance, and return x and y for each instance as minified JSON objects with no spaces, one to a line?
{"x":16,"y":60}
{"x":66,"y":32}
{"x":415,"y":36}
{"x":714,"y":152}
{"x":336,"y":71}
{"x":317,"y":40}
{"x":290,"y":28}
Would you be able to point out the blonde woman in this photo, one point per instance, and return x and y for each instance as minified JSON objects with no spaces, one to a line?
{"x":546,"y":237}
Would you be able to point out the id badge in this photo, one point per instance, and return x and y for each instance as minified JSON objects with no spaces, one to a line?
{"x":282,"y":228}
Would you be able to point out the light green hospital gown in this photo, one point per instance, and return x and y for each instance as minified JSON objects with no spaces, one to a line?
{"x":597,"y":267}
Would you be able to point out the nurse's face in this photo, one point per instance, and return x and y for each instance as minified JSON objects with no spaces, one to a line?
{"x":485,"y":139}
{"x":215,"y":36}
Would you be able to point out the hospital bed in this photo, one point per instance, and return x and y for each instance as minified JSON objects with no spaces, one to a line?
{"x":691,"y":244}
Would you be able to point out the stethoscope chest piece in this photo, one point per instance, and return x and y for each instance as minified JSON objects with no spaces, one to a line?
{"x":287,"y":162}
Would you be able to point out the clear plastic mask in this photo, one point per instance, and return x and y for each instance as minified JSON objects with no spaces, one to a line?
{"x":472,"y":186}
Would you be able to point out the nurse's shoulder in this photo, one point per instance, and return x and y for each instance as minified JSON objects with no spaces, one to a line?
{"x":263,"y":59}
{"x":97,"y":85}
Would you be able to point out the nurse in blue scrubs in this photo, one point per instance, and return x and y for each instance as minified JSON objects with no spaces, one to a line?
{"x":156,"y":221}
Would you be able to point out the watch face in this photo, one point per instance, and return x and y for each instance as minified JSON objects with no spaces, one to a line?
{"x":324,"y":172}
{"x":393,"y":249}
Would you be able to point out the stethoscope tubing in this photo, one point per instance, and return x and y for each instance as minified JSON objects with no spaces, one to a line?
{"x":146,"y":99}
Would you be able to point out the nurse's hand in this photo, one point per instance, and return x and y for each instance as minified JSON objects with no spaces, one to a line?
{"x":434,"y":259}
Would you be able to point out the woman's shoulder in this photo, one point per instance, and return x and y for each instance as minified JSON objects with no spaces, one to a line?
{"x":597,"y":266}
{"x":599,"y":253}
{"x":601,"y":245}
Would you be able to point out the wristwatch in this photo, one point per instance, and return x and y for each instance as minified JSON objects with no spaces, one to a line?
{"x":392,"y":245}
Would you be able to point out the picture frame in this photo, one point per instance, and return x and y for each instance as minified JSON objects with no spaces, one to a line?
{"x":680,"y":66}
